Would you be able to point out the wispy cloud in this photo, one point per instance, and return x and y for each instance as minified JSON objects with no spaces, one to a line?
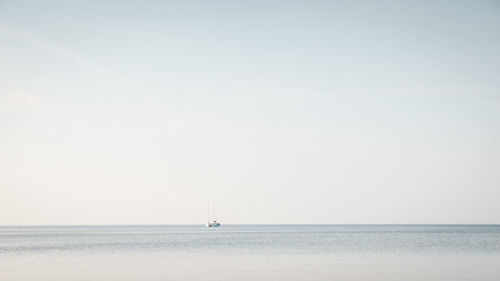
{"x":172,"y":125}
{"x":20,"y":100}
{"x":44,"y":44}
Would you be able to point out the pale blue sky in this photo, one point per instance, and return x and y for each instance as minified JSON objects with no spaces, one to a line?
{"x":284,"y":111}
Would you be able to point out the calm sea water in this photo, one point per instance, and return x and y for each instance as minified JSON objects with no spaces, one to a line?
{"x":251,"y":252}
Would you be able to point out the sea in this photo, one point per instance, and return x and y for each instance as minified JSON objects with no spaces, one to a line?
{"x":250,"y":252}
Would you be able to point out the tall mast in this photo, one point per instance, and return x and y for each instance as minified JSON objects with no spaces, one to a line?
{"x":214,"y":211}
{"x":208,"y":212}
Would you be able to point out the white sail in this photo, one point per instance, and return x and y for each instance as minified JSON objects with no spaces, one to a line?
{"x":212,"y":222}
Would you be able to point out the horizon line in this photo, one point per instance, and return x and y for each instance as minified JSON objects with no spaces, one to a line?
{"x":264,"y":224}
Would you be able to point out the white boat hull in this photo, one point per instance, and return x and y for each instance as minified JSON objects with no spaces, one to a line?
{"x":213,"y":224}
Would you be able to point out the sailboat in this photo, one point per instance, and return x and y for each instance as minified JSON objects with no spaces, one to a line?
{"x":214,"y":222}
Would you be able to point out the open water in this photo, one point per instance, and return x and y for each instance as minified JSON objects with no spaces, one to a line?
{"x":250,"y":252}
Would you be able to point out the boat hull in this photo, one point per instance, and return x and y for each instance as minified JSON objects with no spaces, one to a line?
{"x":213,"y":224}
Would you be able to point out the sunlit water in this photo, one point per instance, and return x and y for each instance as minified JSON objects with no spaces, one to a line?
{"x":251,"y":252}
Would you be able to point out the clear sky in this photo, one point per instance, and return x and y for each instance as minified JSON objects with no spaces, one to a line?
{"x":139,"y":112}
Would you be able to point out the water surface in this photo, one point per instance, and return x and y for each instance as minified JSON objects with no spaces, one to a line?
{"x":250,"y":252}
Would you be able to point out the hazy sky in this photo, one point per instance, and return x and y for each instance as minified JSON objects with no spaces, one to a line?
{"x":116,"y":112}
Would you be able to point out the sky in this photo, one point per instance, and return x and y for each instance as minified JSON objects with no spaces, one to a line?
{"x":142,"y":112}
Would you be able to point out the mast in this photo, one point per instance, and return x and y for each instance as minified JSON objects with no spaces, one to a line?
{"x":213,"y":210}
{"x":208,"y":212}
